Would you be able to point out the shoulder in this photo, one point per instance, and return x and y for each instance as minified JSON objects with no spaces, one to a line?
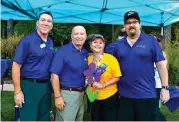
{"x":120,"y":41}
{"x":29,"y":37}
{"x":109,"y":56}
{"x":26,"y":39}
{"x":148,"y":37}
{"x":65,"y":49}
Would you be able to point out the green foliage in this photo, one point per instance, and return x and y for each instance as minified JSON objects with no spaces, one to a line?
{"x":116,"y":33}
{"x":172,"y":51}
{"x":151,"y":30}
{"x":61,"y":33}
{"x":24,"y":27}
{"x":8,"y":46}
{"x":3,"y":29}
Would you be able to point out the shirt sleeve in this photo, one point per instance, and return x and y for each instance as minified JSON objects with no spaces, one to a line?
{"x":110,"y":48}
{"x":157,"y":51}
{"x":115,"y":68}
{"x":21,"y":52}
{"x":58,"y":62}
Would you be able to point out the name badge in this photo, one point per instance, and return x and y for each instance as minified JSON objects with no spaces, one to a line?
{"x":42,"y":45}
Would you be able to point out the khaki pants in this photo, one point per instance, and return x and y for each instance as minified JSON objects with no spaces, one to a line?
{"x":74,"y":106}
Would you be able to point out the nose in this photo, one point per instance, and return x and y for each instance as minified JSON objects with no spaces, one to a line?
{"x":46,"y":23}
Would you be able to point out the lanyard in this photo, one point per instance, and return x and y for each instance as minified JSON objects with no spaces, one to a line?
{"x":98,"y":62}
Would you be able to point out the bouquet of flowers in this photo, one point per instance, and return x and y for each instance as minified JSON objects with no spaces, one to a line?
{"x":93,"y":73}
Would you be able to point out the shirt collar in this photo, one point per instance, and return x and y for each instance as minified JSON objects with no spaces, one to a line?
{"x":83,"y":50}
{"x":39,"y":38}
{"x":142,"y":34}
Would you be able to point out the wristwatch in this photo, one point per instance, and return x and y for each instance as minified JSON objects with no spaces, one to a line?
{"x":165,"y":87}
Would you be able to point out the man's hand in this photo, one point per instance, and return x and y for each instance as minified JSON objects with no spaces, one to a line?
{"x":59,"y":103}
{"x":19,"y":99}
{"x":164,"y":95}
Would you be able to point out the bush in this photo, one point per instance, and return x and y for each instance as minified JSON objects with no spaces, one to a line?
{"x":172,"y":51}
{"x":8,"y":46}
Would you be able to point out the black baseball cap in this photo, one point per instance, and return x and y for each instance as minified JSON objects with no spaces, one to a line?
{"x":131,"y":14}
{"x":97,"y":36}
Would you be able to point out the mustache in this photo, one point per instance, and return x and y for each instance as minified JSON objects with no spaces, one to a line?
{"x":132,"y":28}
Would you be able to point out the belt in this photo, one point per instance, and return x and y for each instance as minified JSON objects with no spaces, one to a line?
{"x":81,"y":89}
{"x":35,"y":80}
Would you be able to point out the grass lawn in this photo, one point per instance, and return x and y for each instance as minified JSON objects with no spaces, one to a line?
{"x":7,"y":109}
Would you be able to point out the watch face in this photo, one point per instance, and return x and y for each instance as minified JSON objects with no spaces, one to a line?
{"x":165,"y":87}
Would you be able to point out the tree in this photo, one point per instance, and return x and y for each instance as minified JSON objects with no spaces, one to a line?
{"x":24,"y":27}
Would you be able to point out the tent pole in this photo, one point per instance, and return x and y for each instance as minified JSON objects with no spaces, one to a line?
{"x":162,"y":23}
{"x":162,"y":30}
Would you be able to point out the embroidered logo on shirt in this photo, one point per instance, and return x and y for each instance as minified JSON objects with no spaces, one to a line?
{"x":141,"y":46}
{"x":51,"y":48}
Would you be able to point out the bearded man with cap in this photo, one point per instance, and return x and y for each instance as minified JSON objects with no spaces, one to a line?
{"x":136,"y":54}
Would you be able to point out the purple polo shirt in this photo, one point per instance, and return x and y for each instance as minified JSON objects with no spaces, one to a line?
{"x":137,"y":66}
{"x":70,"y":63}
{"x":35,"y":56}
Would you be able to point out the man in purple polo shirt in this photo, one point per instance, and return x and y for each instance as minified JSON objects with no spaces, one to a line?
{"x":68,"y":80}
{"x":137,"y":53}
{"x":30,"y":72}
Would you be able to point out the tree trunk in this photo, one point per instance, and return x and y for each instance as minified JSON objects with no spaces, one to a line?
{"x":10,"y":28}
{"x":167,"y":34}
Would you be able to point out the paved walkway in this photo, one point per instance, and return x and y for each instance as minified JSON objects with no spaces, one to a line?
{"x":8,"y":86}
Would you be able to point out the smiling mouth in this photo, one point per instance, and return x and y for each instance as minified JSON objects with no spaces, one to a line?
{"x":132,"y":29}
{"x":79,"y":40}
{"x":97,"y":47}
{"x":45,"y":28}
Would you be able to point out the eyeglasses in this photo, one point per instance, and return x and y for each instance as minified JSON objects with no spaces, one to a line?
{"x":131,"y":23}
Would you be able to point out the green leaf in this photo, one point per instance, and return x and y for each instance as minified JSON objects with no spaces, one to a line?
{"x":91,"y":95}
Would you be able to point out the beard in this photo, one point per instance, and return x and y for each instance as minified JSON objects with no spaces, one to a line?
{"x":132,"y":33}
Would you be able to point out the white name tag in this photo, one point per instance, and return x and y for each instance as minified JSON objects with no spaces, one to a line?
{"x":42,"y":45}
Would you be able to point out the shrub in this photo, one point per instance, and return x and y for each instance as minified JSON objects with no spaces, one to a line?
{"x":172,"y":51}
{"x":8,"y":46}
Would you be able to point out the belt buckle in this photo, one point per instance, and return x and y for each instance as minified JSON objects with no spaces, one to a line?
{"x":81,"y":89}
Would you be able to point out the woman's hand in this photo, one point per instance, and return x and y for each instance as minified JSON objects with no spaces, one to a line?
{"x":97,"y":85}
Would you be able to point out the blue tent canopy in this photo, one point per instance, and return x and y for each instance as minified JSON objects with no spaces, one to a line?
{"x":152,"y":12}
